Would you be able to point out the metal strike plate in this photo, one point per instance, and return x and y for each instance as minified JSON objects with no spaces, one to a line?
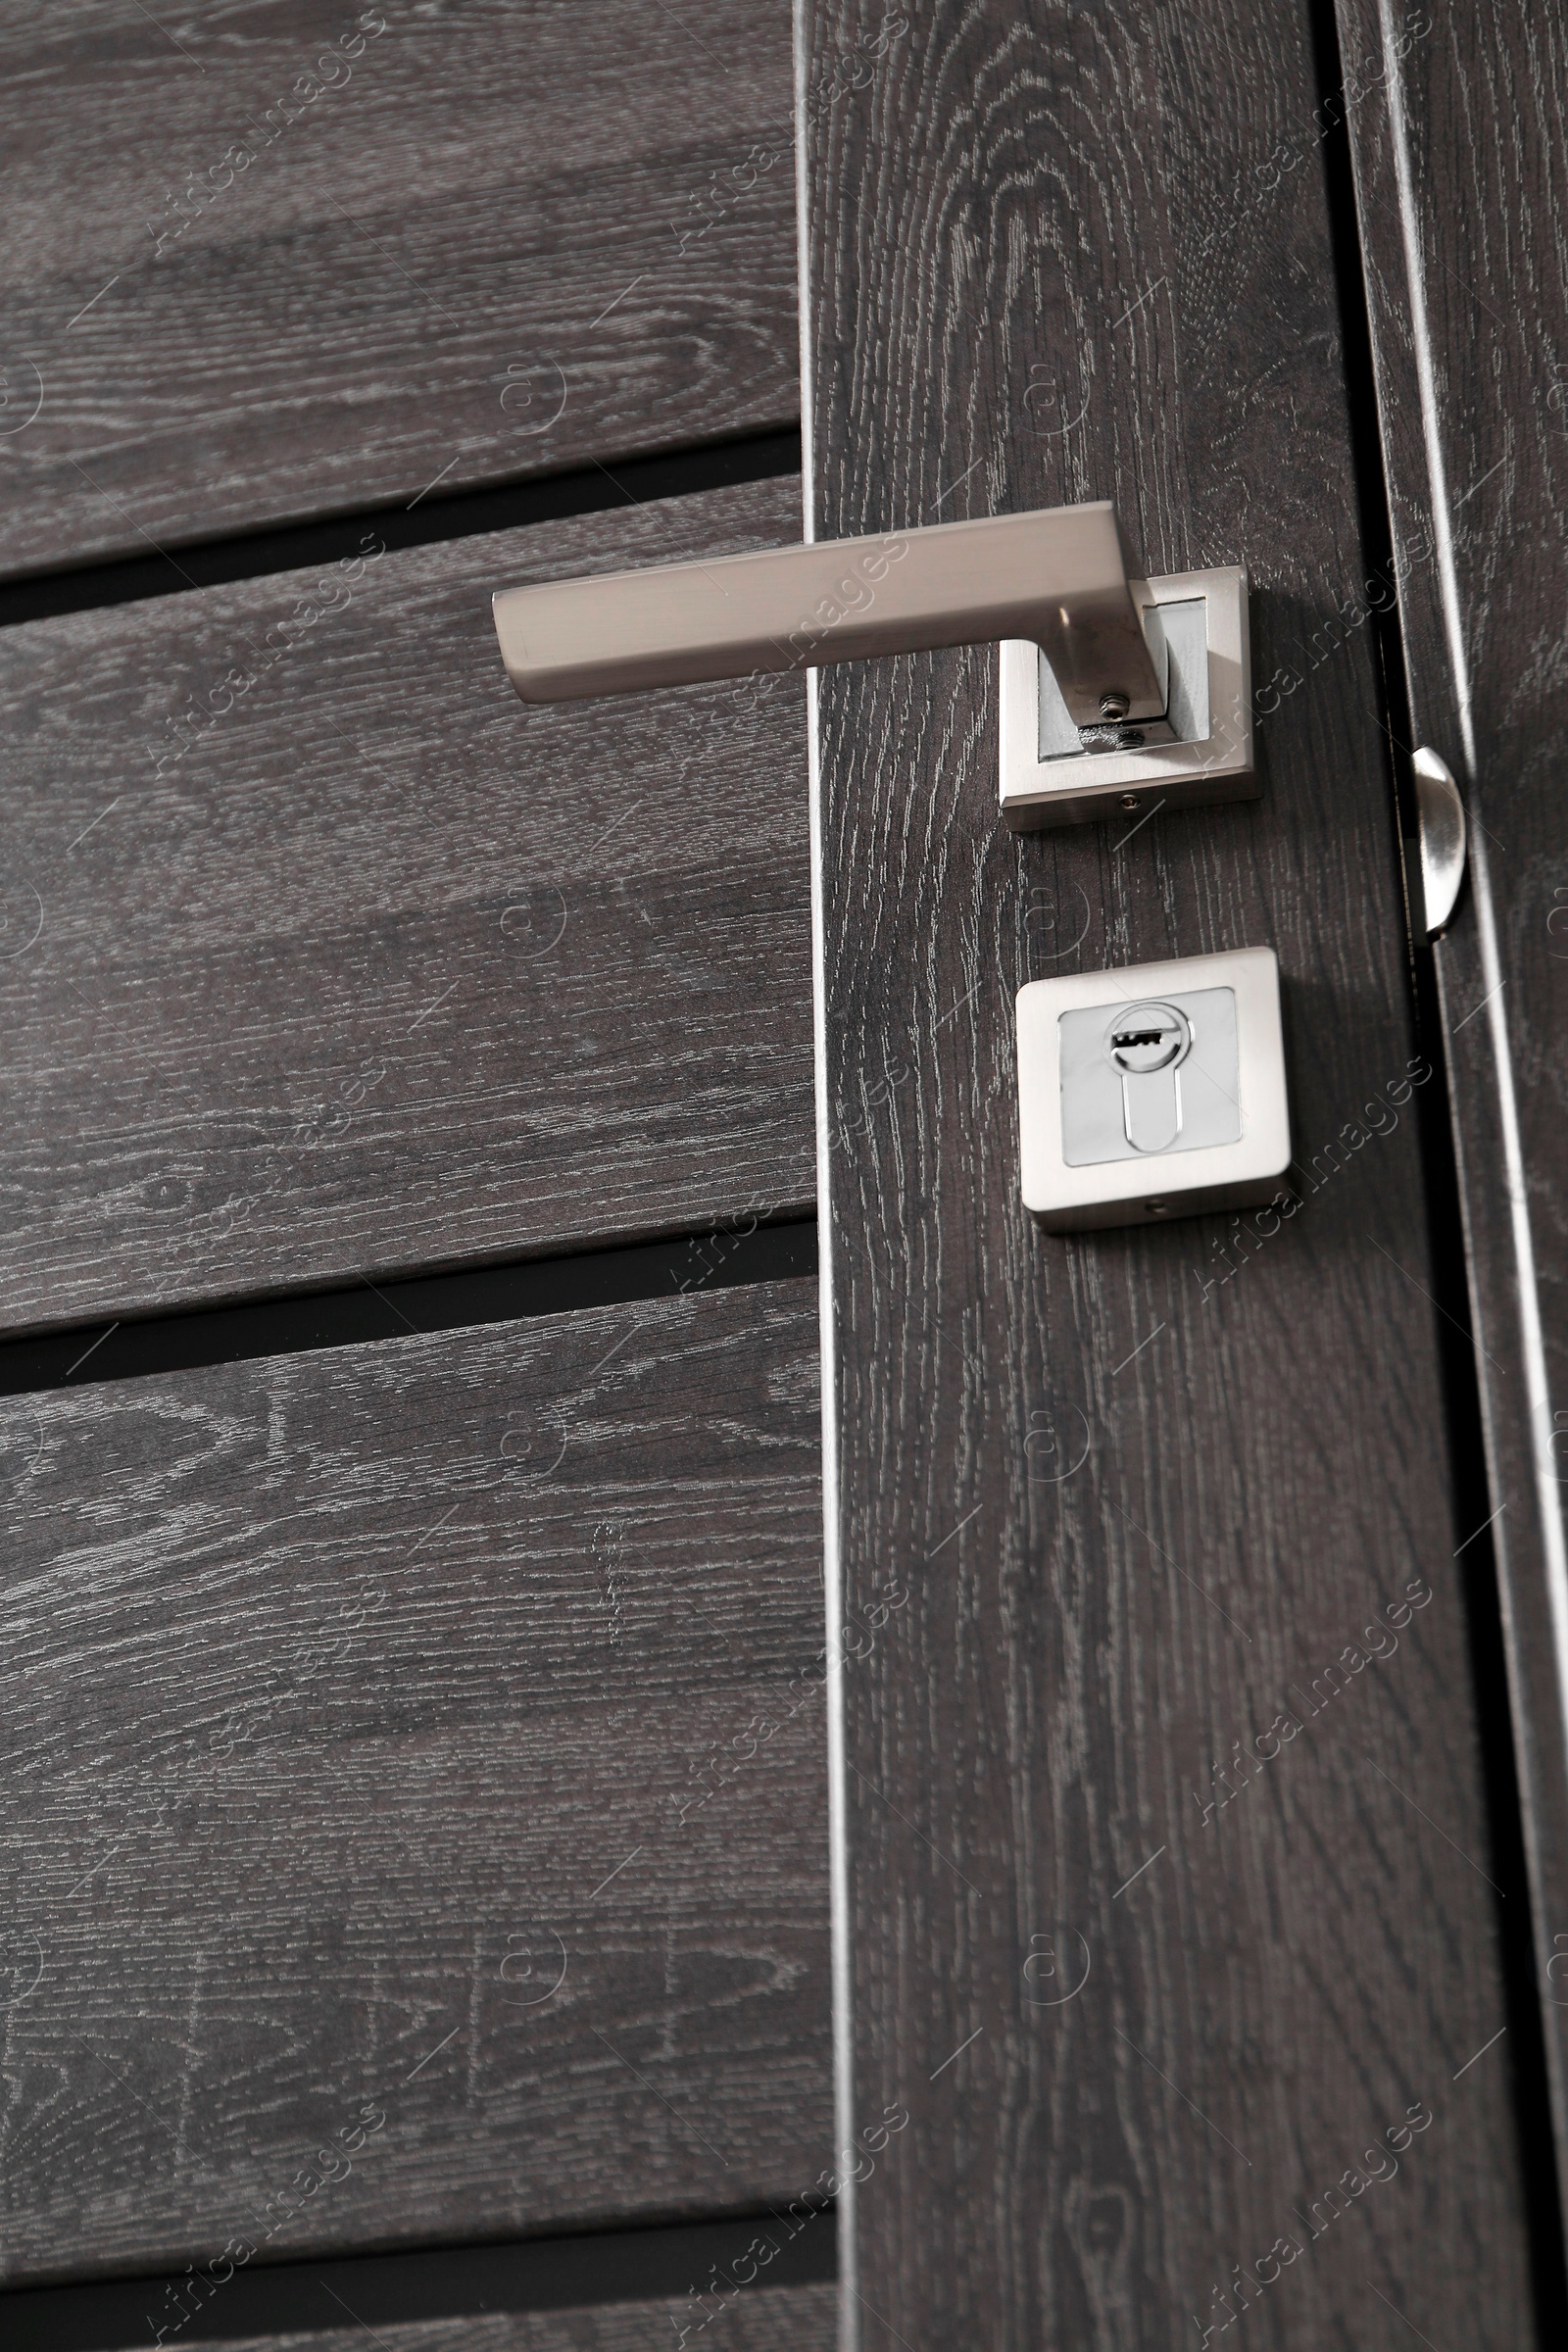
{"x":1201,"y":750}
{"x":1153,"y":1092}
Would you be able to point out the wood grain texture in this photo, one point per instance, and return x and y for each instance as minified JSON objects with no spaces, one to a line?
{"x":799,"y":2318}
{"x":1465,"y":235}
{"x":1151,"y":1483}
{"x":381,"y":969}
{"x":510,"y":238}
{"x":383,"y":1738}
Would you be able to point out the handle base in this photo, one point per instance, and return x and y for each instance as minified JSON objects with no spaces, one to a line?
{"x":1049,"y":778}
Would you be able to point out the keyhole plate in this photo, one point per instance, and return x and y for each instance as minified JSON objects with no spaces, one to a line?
{"x":1150,"y":1092}
{"x":1204,"y":754}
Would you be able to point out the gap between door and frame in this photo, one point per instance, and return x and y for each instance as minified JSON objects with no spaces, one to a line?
{"x":1463,"y":1443}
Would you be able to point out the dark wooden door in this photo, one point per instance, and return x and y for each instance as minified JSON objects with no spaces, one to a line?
{"x":426,"y":1764}
{"x":1179,"y":1892}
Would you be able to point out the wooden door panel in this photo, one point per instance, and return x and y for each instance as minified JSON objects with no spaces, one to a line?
{"x":1157,"y":1484}
{"x":494,"y":240}
{"x":1457,"y":118}
{"x":426,"y":1731}
{"x":380,"y":970}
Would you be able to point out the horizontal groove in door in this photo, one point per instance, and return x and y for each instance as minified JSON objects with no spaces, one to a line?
{"x":621,"y":2287}
{"x":379,"y":971}
{"x":387,"y":1798}
{"x":506,"y":240}
{"x":539,"y":1285}
{"x":416,"y":522}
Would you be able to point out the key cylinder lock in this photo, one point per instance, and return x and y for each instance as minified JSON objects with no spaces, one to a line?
{"x":1153,"y":1092}
{"x":1147,"y":1045}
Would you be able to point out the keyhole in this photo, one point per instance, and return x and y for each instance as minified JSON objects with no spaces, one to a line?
{"x":1144,"y":1037}
{"x":1146,"y":1043}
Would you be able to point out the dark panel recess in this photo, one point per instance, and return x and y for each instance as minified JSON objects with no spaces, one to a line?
{"x":598,"y":2292}
{"x":539,"y":1285}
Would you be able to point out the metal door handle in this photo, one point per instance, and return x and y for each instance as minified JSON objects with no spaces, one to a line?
{"x":1058,"y":576}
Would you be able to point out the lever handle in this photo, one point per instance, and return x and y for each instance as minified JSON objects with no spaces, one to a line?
{"x":1058,"y":576}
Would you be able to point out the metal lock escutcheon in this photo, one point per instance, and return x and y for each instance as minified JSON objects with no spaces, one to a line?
{"x":1153,"y":1092}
